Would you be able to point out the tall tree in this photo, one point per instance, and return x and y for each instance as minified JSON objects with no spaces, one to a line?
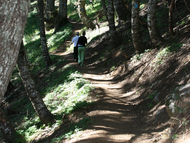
{"x":45,"y":51}
{"x":50,"y":13}
{"x":187,"y":5}
{"x":30,"y":86}
{"x":151,"y":19}
{"x":104,"y":8}
{"x":50,"y":8}
{"x":121,"y":10}
{"x":12,"y":23}
{"x":112,"y":29}
{"x":61,"y":18}
{"x":137,"y":42}
{"x":13,"y":18}
{"x":82,"y":14}
{"x":171,"y":17}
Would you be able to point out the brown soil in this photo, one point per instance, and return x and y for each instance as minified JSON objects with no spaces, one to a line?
{"x":121,"y":113}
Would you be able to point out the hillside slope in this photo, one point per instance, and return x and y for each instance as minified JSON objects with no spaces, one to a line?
{"x":132,"y":90}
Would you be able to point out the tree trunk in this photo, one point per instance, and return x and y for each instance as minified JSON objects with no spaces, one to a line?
{"x":112,"y":28}
{"x":9,"y":133}
{"x":171,"y":17}
{"x":13,"y":18}
{"x":151,"y":20}
{"x":137,"y":42}
{"x":29,"y":84}
{"x":45,"y":51}
{"x":82,"y":14}
{"x":185,"y":1}
{"x":50,"y":8}
{"x":50,"y":13}
{"x":121,"y":10}
{"x":104,"y":8}
{"x":61,"y":18}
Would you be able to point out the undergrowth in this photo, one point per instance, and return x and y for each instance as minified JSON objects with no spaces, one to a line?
{"x":63,"y":95}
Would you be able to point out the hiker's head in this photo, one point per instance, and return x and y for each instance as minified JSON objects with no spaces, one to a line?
{"x":83,"y":33}
{"x":77,"y":33}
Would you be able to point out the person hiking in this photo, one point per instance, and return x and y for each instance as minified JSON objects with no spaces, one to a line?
{"x":75,"y":40}
{"x":82,"y":41}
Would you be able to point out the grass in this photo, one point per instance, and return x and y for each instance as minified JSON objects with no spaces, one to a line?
{"x":63,"y":94}
{"x":152,"y":96}
{"x":70,"y":86}
{"x":73,"y":129}
{"x":162,"y":55}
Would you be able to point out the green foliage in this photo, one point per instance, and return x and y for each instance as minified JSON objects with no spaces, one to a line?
{"x":54,"y":41}
{"x":72,"y":10}
{"x":32,"y":40}
{"x":181,"y":22}
{"x":69,"y":87}
{"x":74,"y":128}
{"x":174,"y":137}
{"x":142,"y":6}
{"x":33,"y":45}
{"x":90,"y":11}
{"x":174,"y":47}
{"x":65,"y":92}
{"x":122,"y":48}
{"x":187,"y":67}
{"x":140,"y":56}
{"x":163,"y":53}
{"x":112,"y":68}
{"x":19,"y":138}
{"x":151,"y":96}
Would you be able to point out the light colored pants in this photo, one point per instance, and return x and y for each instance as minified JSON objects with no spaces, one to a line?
{"x":81,"y":53}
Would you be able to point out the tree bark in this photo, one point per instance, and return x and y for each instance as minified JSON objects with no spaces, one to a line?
{"x":50,"y":13}
{"x":45,"y":51}
{"x":104,"y":8}
{"x":185,"y":1}
{"x":171,"y":18}
{"x":13,"y":18}
{"x":61,"y":18}
{"x":151,"y":20}
{"x":137,"y":42}
{"x":50,"y":8}
{"x":9,"y":133}
{"x":82,"y":14}
{"x":30,"y":87}
{"x":112,"y":29}
{"x":121,"y":10}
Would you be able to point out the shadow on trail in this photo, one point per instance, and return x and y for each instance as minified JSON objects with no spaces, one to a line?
{"x":117,"y":117}
{"x":116,"y":121}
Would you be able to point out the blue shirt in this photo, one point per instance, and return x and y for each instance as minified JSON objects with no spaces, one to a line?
{"x":75,"y":40}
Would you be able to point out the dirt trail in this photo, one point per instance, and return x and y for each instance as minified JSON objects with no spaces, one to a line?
{"x":115,"y":118}
{"x":118,"y":116}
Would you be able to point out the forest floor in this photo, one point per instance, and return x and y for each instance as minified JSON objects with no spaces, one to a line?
{"x":121,"y":113}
